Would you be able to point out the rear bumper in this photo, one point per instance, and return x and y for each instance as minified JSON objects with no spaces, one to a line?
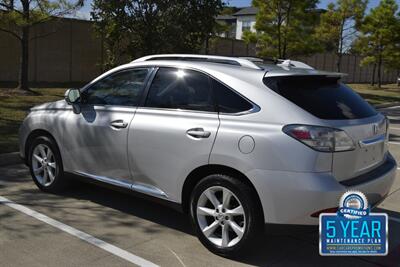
{"x":291,"y":198}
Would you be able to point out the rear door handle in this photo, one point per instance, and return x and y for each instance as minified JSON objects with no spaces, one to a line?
{"x":119,"y":124}
{"x":198,"y":133}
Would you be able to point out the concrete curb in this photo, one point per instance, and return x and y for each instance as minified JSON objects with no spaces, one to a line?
{"x":10,"y":158}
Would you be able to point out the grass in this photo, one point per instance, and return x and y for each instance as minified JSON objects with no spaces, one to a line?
{"x":389,"y":93}
{"x":14,"y":107}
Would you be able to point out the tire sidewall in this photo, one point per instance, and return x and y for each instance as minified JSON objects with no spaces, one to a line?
{"x":248,"y":206}
{"x":57,"y":183}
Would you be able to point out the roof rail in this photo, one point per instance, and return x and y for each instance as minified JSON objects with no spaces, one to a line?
{"x":202,"y":58}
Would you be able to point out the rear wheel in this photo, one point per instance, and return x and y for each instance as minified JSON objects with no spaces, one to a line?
{"x":225,"y":214}
{"x":46,"y":166}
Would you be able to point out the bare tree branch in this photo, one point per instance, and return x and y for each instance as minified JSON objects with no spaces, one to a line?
{"x":7,"y":7}
{"x":12,"y":33}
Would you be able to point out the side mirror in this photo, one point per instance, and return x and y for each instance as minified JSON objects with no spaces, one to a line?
{"x":72,"y":96}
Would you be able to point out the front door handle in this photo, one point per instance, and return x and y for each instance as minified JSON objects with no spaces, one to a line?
{"x":119,"y":124}
{"x":198,"y":133}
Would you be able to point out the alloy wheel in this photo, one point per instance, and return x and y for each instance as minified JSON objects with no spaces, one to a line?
{"x":220,"y":216}
{"x":44,"y":164}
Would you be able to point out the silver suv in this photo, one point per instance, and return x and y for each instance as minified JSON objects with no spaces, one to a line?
{"x":234,"y":142}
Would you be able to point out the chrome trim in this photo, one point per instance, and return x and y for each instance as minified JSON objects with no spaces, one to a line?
{"x":177,"y":110}
{"x":138,"y":187}
{"x":372,"y":141}
{"x":33,"y":109}
{"x":106,"y":180}
{"x":254,"y":109}
{"x":148,"y":189}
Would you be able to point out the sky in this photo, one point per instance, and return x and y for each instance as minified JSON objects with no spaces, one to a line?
{"x":322,"y":4}
{"x":84,"y":13}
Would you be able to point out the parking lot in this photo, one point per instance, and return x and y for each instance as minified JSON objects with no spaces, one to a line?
{"x":94,"y":226}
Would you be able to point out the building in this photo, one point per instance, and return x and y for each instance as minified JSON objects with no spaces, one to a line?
{"x":245,"y":19}
{"x":237,"y":23}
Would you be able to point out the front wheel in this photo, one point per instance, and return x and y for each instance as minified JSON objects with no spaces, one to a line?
{"x":46,"y":166}
{"x":225,"y":214}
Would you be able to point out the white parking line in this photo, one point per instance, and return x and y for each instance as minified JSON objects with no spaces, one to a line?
{"x":392,"y":107}
{"x":394,"y":128}
{"x":79,"y":234}
{"x":394,"y":143}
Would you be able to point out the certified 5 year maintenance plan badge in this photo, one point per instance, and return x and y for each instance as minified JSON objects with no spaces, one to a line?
{"x":353,"y":230}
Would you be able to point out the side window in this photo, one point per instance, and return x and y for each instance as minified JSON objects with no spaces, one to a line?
{"x":246,"y":25}
{"x":122,"y":88}
{"x":180,"y":89}
{"x":228,"y":101}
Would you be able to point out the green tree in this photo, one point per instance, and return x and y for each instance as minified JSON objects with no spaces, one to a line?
{"x":226,"y":28}
{"x":136,"y":28}
{"x":338,"y":26}
{"x":249,"y":37}
{"x":18,"y":17}
{"x":362,"y":47}
{"x":379,"y":41}
{"x":285,"y":27}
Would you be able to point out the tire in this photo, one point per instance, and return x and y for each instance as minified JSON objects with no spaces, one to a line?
{"x":220,"y":224}
{"x":46,"y":166}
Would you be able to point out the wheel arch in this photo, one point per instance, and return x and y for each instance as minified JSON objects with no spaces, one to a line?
{"x":199,"y":173}
{"x":32,"y":135}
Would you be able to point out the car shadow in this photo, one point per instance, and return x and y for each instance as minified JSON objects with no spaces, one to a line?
{"x":283,"y":244}
{"x":278,"y":244}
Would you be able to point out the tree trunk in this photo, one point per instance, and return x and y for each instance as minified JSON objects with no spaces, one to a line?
{"x":373,"y":75}
{"x":338,"y":61}
{"x":207,"y":45}
{"x":379,"y":71}
{"x":279,"y":41}
{"x":340,"y":49}
{"x":24,"y":60}
{"x":284,"y":53}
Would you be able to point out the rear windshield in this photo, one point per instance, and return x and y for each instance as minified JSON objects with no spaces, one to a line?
{"x":323,"y":97}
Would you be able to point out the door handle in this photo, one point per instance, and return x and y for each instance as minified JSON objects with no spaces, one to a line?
{"x":119,"y":124}
{"x":198,"y":133}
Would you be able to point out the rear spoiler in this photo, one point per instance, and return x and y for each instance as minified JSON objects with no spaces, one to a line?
{"x":292,"y":63}
{"x":302,"y":72}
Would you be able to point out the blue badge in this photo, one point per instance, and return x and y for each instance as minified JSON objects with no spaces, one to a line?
{"x":353,"y":230}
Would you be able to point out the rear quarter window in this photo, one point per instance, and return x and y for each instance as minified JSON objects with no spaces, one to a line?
{"x":228,"y":101}
{"x":323,"y":97}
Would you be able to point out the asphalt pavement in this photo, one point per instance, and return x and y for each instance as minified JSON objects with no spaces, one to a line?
{"x":95,"y":226}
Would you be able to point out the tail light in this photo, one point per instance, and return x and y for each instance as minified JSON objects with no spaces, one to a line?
{"x":322,"y":139}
